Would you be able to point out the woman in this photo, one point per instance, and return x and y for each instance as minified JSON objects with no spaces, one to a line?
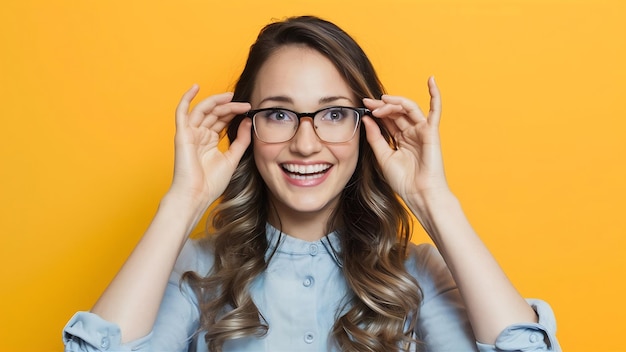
{"x":310,"y":244}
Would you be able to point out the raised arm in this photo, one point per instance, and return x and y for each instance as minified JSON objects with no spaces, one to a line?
{"x":415,"y":171}
{"x":201,"y":173}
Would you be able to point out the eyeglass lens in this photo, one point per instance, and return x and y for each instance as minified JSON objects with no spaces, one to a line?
{"x":334,"y":125}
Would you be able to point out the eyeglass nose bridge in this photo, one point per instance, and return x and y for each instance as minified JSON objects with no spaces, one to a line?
{"x":299,"y":115}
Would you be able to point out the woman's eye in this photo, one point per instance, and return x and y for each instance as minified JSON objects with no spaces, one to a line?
{"x":278,"y":115}
{"x":334,"y":115}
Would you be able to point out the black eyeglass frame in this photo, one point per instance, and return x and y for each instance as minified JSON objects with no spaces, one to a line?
{"x":360,"y":113}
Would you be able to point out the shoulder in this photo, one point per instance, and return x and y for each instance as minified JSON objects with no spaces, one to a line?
{"x":423,"y":259}
{"x":196,"y":255}
{"x":443,"y":324}
{"x":427,"y":266}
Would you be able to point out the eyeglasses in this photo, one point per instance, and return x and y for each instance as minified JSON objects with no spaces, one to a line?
{"x":335,"y":124}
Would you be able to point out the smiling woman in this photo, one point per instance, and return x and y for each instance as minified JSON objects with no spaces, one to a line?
{"x":309,"y":249}
{"x":305,"y":80}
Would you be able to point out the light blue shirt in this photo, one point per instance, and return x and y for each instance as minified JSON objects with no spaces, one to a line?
{"x":299,"y":295}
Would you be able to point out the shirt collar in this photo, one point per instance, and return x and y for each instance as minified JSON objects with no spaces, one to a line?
{"x":286,"y":244}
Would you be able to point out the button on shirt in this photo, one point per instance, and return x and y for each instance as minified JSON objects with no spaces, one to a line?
{"x":299,"y":295}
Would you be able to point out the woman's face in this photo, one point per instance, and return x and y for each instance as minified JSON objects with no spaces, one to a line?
{"x":304,"y":175}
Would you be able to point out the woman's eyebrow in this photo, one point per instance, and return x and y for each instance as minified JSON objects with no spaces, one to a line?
{"x":286,"y":99}
{"x":326,"y":100}
{"x":278,"y":99}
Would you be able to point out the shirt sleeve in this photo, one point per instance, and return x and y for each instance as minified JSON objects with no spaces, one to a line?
{"x":174,"y":328}
{"x":443,"y":324}
{"x":540,"y":336}
{"x":87,"y":332}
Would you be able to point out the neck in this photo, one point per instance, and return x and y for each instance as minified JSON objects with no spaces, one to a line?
{"x":307,"y":226}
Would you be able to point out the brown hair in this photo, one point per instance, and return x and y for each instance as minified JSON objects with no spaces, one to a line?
{"x":381,"y":312}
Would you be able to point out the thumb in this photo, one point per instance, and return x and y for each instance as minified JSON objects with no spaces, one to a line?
{"x":374,"y":137}
{"x":240,"y":144}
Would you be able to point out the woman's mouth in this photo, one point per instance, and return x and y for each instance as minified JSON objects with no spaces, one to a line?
{"x":305,"y":172}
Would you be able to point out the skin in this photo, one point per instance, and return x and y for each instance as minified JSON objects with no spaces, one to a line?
{"x":301,"y":79}
{"x":414,"y":170}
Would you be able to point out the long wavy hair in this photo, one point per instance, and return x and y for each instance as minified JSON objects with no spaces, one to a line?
{"x":373,"y":226}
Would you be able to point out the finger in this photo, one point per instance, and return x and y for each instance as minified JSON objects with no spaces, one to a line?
{"x":396,"y":114}
{"x":221,"y":115}
{"x":241,"y":142}
{"x":374,"y":137}
{"x":410,"y":107}
{"x":183,"y":106}
{"x":390,"y":110}
{"x":374,"y":104}
{"x":391,"y":126}
{"x":434,"y":115}
{"x":196,"y":116}
{"x":382,"y":108}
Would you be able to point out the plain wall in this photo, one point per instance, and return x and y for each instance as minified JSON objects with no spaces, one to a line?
{"x":533,"y":136}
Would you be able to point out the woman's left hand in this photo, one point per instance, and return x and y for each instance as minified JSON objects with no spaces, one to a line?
{"x":415,"y":169}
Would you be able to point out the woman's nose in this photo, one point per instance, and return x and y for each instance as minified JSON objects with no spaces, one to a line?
{"x":306,"y":141}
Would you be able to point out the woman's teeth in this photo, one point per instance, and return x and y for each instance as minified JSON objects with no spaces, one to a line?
{"x":297,"y":171}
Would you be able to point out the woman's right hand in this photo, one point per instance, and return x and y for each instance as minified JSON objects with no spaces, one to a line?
{"x":201,"y":170}
{"x":201,"y":173}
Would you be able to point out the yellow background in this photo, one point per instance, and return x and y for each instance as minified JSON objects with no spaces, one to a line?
{"x":533,"y":136}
